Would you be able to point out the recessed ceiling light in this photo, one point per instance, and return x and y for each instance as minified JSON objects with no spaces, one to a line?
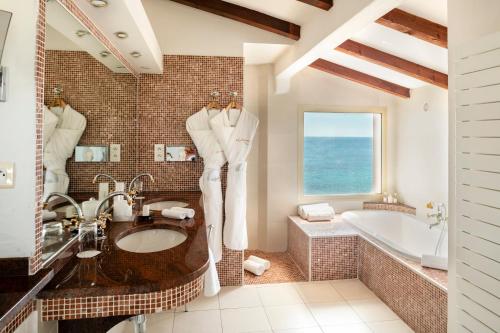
{"x":121,"y":34}
{"x":120,"y":67}
{"x":145,"y":67}
{"x":135,"y":54}
{"x":81,"y":33}
{"x":99,"y":3}
{"x":104,"y":54}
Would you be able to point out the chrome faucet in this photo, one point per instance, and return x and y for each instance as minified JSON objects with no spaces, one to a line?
{"x":67,"y":197}
{"x":103,"y":217}
{"x":104,"y":175}
{"x":440,"y":215}
{"x":131,"y":185}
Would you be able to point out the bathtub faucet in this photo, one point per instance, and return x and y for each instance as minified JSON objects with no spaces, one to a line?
{"x":440,"y":215}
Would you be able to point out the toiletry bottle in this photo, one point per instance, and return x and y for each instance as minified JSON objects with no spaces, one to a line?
{"x":389,"y":199}
{"x":385,"y":197}
{"x":395,"y":198}
{"x":103,"y":193}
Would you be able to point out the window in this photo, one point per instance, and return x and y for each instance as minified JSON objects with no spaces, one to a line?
{"x":342,"y":152}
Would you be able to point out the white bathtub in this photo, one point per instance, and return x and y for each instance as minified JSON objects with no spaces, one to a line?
{"x":401,"y":232}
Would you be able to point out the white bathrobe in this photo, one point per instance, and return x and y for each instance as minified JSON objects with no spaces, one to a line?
{"x":209,"y":149}
{"x":60,"y":147}
{"x":235,"y":131}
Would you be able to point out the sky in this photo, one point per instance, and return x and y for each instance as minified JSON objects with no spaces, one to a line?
{"x":326,"y":124}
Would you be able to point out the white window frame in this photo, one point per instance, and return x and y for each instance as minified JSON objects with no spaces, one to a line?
{"x":341,"y":109}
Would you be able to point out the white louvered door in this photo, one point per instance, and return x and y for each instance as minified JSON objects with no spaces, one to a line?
{"x":478,"y":185}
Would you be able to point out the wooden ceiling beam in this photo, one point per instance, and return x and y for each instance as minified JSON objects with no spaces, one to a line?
{"x":416,"y":26}
{"x":245,"y":15}
{"x":322,"y":4}
{"x":362,"y":78}
{"x":395,"y":63}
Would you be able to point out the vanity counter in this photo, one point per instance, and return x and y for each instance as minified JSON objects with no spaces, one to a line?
{"x":115,"y":272}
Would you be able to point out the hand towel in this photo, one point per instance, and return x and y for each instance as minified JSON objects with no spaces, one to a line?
{"x":48,"y":215}
{"x":211,"y":286}
{"x":254,"y":267}
{"x":266,"y":263}
{"x":188,"y":211}
{"x":173,"y":214}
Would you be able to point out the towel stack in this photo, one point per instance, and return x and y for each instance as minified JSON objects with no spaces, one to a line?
{"x":178,"y":213}
{"x":316,"y":212}
{"x":256,"y":265}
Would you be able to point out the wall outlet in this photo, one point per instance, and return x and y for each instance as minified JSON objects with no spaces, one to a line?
{"x":6,"y":175}
{"x":159,"y":153}
{"x":114,"y":152}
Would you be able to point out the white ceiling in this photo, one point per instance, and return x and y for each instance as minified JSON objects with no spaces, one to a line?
{"x":433,"y":10}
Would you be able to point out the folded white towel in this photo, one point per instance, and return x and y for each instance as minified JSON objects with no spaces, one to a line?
{"x":432,"y":261}
{"x":254,"y":267}
{"x":48,"y":215}
{"x":262,"y":261}
{"x":173,"y":214}
{"x":189,"y":212}
{"x":304,"y":209}
{"x":317,"y":212}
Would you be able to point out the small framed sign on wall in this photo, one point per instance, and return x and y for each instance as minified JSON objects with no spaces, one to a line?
{"x":181,"y":154}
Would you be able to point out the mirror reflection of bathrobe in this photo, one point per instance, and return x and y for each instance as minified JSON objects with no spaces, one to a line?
{"x":235,"y":131}
{"x":209,"y":149}
{"x":60,"y":147}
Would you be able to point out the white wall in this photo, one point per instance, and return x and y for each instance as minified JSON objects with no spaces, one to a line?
{"x":421,"y":156}
{"x":17,"y":131}
{"x":467,"y":21}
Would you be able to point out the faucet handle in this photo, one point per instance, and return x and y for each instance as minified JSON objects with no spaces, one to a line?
{"x":102,"y":220}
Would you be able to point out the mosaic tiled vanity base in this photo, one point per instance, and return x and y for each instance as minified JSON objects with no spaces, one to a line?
{"x":421,"y":304}
{"x":19,"y":318}
{"x":106,"y":306}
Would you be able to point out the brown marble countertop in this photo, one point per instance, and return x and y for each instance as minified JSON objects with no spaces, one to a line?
{"x":119,"y":272}
{"x":17,"y":291}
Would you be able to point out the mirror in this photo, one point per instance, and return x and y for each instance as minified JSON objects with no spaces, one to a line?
{"x":90,"y":103}
{"x":4,"y":28}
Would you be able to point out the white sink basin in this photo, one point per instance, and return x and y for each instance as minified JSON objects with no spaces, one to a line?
{"x":151,"y":240}
{"x":161,"y":205}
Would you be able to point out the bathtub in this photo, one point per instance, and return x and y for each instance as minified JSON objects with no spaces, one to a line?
{"x":403,"y":233}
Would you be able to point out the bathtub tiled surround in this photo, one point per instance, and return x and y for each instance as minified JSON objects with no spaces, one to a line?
{"x":305,"y":307}
{"x":418,"y":295}
{"x":398,"y":207}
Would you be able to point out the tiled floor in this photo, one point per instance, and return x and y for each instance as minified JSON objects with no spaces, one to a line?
{"x":283,"y":269}
{"x":345,"y":306}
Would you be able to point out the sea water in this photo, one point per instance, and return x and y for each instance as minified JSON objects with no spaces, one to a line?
{"x":338,"y":165}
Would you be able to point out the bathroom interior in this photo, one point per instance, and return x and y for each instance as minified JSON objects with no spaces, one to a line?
{"x":285,"y":166}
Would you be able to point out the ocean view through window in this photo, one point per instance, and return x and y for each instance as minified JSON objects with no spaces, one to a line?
{"x":342,"y":153}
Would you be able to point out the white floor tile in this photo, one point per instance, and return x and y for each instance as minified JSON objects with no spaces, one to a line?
{"x":162,"y":322}
{"x":279,"y":294}
{"x":334,"y":313}
{"x":301,"y":330}
{"x":347,"y":328}
{"x":397,"y":326}
{"x":198,"y":321}
{"x":290,"y":316}
{"x":201,"y":303}
{"x":239,"y":297}
{"x":317,"y":292}
{"x":373,"y":310}
{"x":244,"y":320}
{"x":352,"y":289}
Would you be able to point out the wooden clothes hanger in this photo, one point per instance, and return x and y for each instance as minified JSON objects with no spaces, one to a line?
{"x":233,"y":104}
{"x":214,"y":104}
{"x":58,"y":100}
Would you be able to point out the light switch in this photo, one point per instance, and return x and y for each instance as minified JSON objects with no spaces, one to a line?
{"x":6,"y":175}
{"x":114,"y":152}
{"x":159,"y":153}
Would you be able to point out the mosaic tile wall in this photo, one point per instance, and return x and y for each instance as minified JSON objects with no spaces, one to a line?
{"x":392,"y":207}
{"x":421,"y":304}
{"x":35,"y":262}
{"x":107,"y":100}
{"x":334,"y":258}
{"x":20,"y":318}
{"x":299,"y":248}
{"x":166,"y":101}
{"x":105,"y":306}
{"x":230,"y":268}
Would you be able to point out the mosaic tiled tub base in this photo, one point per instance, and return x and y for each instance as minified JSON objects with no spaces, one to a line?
{"x":421,"y":304}
{"x":120,"y":305}
{"x":334,"y":258}
{"x":19,"y":318}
